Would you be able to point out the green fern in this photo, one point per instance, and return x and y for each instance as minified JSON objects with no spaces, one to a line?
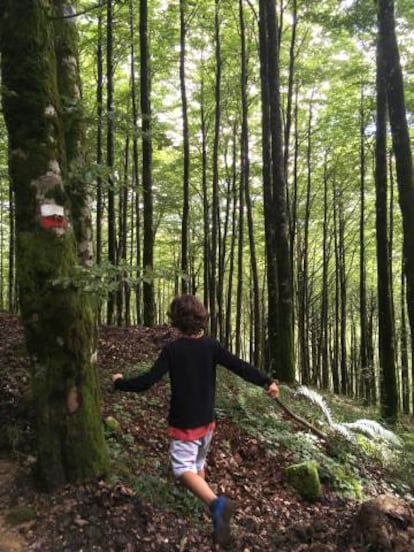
{"x":370,"y":428}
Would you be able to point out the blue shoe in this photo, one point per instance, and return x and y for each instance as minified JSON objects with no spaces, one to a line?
{"x":221,"y":510}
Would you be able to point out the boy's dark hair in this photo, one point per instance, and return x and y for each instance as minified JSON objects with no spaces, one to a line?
{"x":188,"y":314}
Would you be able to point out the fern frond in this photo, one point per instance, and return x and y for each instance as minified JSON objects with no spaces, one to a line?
{"x":373,"y":429}
{"x":317,"y":399}
{"x":370,"y":428}
{"x":343,"y":431}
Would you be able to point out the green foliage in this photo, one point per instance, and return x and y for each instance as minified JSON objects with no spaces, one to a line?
{"x":371,"y":428}
{"x":20,"y":514}
{"x":343,"y":464}
{"x":343,"y":478}
{"x":164,"y":493}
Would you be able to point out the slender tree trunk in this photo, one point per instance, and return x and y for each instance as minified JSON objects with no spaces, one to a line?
{"x":230,"y":171}
{"x":214,"y":306}
{"x":343,"y":300}
{"x":245,"y":176}
{"x":400,"y":142}
{"x":2,"y":241}
{"x":405,"y":380}
{"x":388,"y":384}
{"x":12,"y":300}
{"x":240,"y":265}
{"x":292,"y":59}
{"x":110,"y":154}
{"x":233,"y":237}
{"x":324,"y":330}
{"x":303,"y":276}
{"x":364,"y":370}
{"x":135,"y":164}
{"x":186,"y":154}
{"x":122,"y":290}
{"x":148,"y":246}
{"x":335,"y":360}
{"x":99,"y":140}
{"x":206,"y":210}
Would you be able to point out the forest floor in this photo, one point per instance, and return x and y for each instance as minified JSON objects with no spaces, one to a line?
{"x":139,"y":507}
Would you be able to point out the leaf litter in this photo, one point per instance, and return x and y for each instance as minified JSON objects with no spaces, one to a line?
{"x":140,"y":507}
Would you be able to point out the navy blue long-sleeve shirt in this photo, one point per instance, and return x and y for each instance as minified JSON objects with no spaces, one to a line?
{"x":191,"y":364}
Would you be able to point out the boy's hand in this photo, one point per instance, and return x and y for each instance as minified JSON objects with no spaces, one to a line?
{"x":116,"y":377}
{"x":273,"y":390}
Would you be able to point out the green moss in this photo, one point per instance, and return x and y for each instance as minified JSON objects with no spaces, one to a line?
{"x":112,"y":424}
{"x":58,"y":317}
{"x":19,"y":515}
{"x":304,"y":478}
{"x":340,"y":478}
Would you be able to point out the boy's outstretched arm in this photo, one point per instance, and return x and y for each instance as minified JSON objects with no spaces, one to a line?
{"x":146,"y":380}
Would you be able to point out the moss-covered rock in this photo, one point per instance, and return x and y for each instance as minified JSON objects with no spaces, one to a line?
{"x":304,"y":478}
{"x":112,"y":424}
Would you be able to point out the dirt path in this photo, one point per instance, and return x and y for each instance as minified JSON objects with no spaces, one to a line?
{"x":10,"y":538}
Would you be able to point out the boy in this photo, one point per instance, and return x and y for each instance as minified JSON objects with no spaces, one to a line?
{"x":191,"y":362}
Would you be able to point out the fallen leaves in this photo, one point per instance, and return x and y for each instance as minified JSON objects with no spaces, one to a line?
{"x":112,"y":517}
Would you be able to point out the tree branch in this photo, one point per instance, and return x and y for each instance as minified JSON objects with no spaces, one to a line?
{"x":301,"y":421}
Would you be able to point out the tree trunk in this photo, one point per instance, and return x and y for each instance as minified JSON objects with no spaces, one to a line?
{"x":110,"y":153}
{"x":271,"y":265}
{"x":245,"y":169}
{"x":388,"y":384}
{"x":405,"y":380}
{"x":148,"y":246}
{"x":364,"y":368}
{"x":335,"y":360}
{"x":12,"y":299}
{"x":69,"y":84}
{"x":186,"y":155}
{"x":99,"y":140}
{"x":135,"y":165}
{"x":324,"y":325}
{"x":206,"y":210}
{"x":214,"y":306}
{"x":58,"y":318}
{"x":400,"y":142}
{"x":343,"y":299}
{"x":283,"y":361}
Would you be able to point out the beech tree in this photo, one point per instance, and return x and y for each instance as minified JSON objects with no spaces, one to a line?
{"x":58,"y":317}
{"x":400,"y":140}
{"x":279,"y":279}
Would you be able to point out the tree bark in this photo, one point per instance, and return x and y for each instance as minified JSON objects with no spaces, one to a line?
{"x":186,"y":155}
{"x":135,"y":166}
{"x":148,"y":246}
{"x":245,"y":169}
{"x":400,"y":142}
{"x":388,"y":384}
{"x":110,"y":154}
{"x":56,"y":313}
{"x":277,"y":235}
{"x":70,"y":88}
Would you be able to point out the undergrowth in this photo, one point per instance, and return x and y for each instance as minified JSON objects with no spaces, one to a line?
{"x":350,"y":468}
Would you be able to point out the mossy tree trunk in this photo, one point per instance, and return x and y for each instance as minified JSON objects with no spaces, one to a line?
{"x":57,"y":317}
{"x":70,"y":89}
